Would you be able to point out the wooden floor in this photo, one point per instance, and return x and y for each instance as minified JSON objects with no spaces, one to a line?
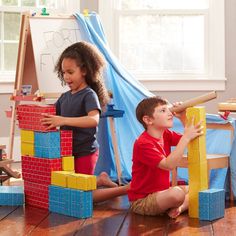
{"x":109,"y":218}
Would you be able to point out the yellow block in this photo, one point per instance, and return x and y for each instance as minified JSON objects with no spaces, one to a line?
{"x":193,"y":210}
{"x":59,"y":178}
{"x":27,"y":136}
{"x":27,"y":149}
{"x":198,"y":181}
{"x":68,"y":163}
{"x":197,"y":156}
{"x":82,"y":182}
{"x":198,"y":177}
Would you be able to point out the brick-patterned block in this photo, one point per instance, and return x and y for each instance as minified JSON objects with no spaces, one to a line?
{"x":36,"y":194}
{"x":211,"y":204}
{"x":29,"y":116}
{"x":11,"y":195}
{"x":39,"y":170}
{"x":47,"y":144}
{"x":66,"y":142}
{"x":70,"y":202}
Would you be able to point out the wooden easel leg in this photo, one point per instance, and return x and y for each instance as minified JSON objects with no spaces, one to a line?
{"x":115,"y":147}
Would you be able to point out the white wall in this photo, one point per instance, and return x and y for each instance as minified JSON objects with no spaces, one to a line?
{"x":211,"y":107}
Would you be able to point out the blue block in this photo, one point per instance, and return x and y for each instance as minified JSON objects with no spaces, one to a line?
{"x":211,"y":204}
{"x":47,"y":144}
{"x":81,"y":203}
{"x":59,"y":199}
{"x":71,"y":202}
{"x":11,"y":195}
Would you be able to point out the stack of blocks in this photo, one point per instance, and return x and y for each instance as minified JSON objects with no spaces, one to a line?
{"x":41,"y":152}
{"x":211,"y":204}
{"x":197,"y":162}
{"x":71,"y":194}
{"x":11,"y":195}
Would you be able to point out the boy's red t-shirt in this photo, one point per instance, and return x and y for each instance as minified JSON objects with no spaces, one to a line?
{"x":147,"y":153}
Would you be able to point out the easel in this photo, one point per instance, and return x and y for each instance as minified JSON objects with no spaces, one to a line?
{"x":25,"y":74}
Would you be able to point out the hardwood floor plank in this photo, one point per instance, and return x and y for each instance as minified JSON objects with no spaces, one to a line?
{"x":184,"y":225}
{"x":57,"y":224}
{"x":135,"y":224}
{"x":6,"y":210}
{"x":22,"y":221}
{"x":226,"y":225}
{"x":107,"y":218}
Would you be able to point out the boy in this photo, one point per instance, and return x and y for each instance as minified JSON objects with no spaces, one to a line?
{"x":150,"y":192}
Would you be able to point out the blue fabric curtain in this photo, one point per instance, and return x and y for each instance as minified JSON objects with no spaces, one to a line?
{"x":127,"y":93}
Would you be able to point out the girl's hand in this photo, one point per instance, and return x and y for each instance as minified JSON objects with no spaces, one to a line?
{"x":192,"y":131}
{"x":52,"y":121}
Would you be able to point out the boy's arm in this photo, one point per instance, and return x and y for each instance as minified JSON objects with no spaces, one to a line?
{"x":172,"y":160}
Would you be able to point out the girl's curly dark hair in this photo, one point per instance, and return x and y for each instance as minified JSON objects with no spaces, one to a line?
{"x":87,"y":57}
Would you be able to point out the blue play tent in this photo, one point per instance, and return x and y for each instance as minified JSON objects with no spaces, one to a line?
{"x":127,"y":93}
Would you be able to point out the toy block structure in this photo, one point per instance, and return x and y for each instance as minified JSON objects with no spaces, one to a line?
{"x":68,"y":163}
{"x":211,"y":204}
{"x":29,"y":116}
{"x":197,"y":162}
{"x":43,"y":157}
{"x":11,"y":195}
{"x":66,"y":142}
{"x":47,"y":145}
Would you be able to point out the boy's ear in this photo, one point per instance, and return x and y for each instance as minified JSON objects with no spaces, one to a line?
{"x":147,"y":120}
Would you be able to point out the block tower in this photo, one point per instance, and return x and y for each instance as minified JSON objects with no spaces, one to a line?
{"x":197,"y":162}
{"x":41,"y":152}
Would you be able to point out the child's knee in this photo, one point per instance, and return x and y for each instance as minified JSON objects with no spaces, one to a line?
{"x":178,"y":195}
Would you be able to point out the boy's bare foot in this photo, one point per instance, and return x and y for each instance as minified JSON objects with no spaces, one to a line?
{"x":174,"y":212}
{"x":104,"y":180}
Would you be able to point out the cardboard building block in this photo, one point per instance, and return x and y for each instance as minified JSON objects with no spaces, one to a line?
{"x":68,"y":163}
{"x":47,"y":144}
{"x":211,"y":204}
{"x":29,"y":116}
{"x":11,"y":195}
{"x":27,"y":142}
{"x":38,"y":170}
{"x":36,"y":194}
{"x":66,"y":142}
{"x":59,"y":178}
{"x":82,"y":182}
{"x":70,"y":202}
{"x":197,"y":162}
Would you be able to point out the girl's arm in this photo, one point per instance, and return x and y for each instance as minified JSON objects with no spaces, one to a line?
{"x":89,"y":121}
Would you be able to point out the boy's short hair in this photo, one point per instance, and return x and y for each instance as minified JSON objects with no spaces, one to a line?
{"x":147,"y":106}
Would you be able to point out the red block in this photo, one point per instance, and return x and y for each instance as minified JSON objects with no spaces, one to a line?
{"x":36,"y":194}
{"x":29,"y":116}
{"x":38,"y":170}
{"x":66,"y":142}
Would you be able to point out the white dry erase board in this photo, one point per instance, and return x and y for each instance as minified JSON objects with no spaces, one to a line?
{"x":43,"y":39}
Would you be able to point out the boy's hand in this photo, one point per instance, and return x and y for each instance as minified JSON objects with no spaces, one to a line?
{"x":192,"y":131}
{"x":180,"y":115}
{"x":51,"y":120}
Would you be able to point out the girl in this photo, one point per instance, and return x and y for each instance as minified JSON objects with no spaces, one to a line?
{"x":80,"y":67}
